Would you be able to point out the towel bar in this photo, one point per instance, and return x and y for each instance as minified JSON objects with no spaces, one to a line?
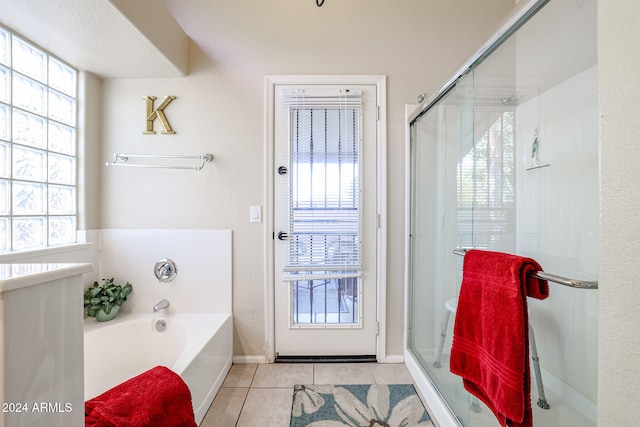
{"x":120,"y":159}
{"x":573,"y":283}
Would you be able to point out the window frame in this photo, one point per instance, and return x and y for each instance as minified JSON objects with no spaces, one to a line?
{"x":62,"y":87}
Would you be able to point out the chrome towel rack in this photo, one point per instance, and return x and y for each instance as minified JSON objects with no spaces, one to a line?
{"x":122,"y":159}
{"x":573,"y":283}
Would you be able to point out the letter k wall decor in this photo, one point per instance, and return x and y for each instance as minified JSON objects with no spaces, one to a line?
{"x":157,"y":113}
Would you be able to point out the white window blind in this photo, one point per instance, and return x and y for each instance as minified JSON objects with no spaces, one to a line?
{"x":486,"y":216}
{"x":324,"y":206}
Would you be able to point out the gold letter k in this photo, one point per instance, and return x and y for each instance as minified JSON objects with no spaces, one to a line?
{"x":152,"y":114}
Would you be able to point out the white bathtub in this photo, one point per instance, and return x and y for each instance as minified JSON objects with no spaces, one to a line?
{"x":196,"y":346}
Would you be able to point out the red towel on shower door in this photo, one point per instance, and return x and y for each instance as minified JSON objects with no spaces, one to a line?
{"x":490,"y":337}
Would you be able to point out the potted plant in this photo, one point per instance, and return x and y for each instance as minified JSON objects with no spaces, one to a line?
{"x":103,"y":301}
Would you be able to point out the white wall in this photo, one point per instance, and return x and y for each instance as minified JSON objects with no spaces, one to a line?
{"x":89,"y":158}
{"x":558,"y":226}
{"x":219,"y":109}
{"x":619,"y":338}
{"x":203,"y":280}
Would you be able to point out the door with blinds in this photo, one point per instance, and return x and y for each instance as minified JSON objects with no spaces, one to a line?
{"x":325,"y":220}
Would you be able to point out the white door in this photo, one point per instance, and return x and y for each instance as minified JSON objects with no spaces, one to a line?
{"x":325,"y":220}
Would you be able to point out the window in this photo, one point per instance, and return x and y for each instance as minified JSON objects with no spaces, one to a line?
{"x":324,"y":205}
{"x":37,"y":147}
{"x":487,"y":187}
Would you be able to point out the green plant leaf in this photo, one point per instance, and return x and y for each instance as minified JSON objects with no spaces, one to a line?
{"x":105,"y":296}
{"x":106,"y":307}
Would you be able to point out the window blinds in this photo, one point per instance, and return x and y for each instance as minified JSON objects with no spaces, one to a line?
{"x":324,"y":209}
{"x":486,"y":215}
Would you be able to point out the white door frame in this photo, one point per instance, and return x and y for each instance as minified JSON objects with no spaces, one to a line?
{"x":269,"y":229}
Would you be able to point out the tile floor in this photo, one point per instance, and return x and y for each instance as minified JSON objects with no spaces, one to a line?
{"x":260,"y":395}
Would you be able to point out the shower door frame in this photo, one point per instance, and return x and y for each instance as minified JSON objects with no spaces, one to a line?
{"x":438,"y":405}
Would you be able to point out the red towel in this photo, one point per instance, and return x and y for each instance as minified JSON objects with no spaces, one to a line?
{"x":155,"y":398}
{"x":490,"y":337}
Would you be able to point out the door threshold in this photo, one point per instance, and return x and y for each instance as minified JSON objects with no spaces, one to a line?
{"x":369,"y":358}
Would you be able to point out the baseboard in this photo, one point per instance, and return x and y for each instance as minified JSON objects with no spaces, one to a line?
{"x":394,"y":358}
{"x":238,"y":360}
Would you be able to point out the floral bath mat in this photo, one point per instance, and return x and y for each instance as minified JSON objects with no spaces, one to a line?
{"x":396,"y":405}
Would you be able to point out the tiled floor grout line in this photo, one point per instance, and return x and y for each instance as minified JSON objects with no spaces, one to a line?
{"x":246,"y":395}
{"x":253,"y":377}
{"x":373,"y":375}
{"x":242,"y":407}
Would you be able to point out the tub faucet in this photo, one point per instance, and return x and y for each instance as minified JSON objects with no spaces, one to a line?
{"x":161,"y":305}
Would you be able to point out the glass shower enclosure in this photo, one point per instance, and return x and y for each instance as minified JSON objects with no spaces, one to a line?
{"x":504,"y":157}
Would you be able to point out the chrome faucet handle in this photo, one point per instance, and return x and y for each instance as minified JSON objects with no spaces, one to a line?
{"x":165,"y":270}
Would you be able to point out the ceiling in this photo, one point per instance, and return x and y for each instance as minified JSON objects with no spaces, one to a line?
{"x":110,"y":38}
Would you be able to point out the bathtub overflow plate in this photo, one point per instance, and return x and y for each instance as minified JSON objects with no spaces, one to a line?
{"x":165,"y":270}
{"x":161,"y":325}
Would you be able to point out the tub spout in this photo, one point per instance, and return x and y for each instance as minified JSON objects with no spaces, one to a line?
{"x":161,"y":305}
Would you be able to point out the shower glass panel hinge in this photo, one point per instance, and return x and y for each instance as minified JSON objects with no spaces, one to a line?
{"x":377,"y":220}
{"x":377,"y":328}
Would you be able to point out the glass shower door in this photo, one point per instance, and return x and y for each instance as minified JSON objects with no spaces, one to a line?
{"x":507,"y":160}
{"x":437,"y":141}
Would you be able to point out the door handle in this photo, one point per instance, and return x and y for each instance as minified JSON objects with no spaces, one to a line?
{"x":282,"y":236}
